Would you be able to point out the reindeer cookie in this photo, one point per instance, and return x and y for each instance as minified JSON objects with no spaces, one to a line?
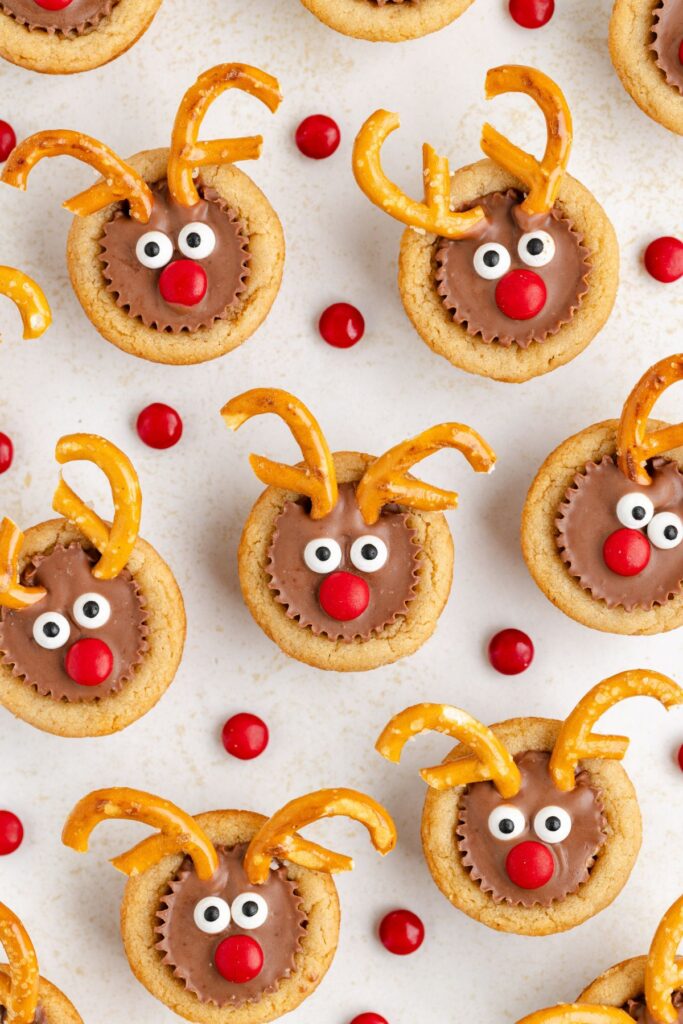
{"x":92,"y":624}
{"x":230,"y":916}
{"x":603,"y":521}
{"x":510,"y":267}
{"x":25,"y":997}
{"x":169,"y":266}
{"x":345,"y":561}
{"x":29,"y":299}
{"x":646,"y":44}
{"x":388,"y":21}
{"x":530,"y":826}
{"x":66,"y":36}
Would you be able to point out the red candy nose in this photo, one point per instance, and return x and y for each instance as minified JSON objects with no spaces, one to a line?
{"x":89,"y":662}
{"x":239,"y":959}
{"x":343,"y":596}
{"x":183,"y":283}
{"x":626,"y":552}
{"x":530,"y":865}
{"x":521,"y":294}
{"x":53,"y":5}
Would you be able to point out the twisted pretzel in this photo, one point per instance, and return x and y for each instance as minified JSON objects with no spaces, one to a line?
{"x":29,"y":298}
{"x":663,"y":973}
{"x":634,"y":445}
{"x":12,"y":593}
{"x":20,"y":997}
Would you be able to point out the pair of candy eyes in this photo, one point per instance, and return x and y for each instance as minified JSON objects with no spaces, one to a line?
{"x":154,"y":249}
{"x":551,"y":824}
{"x":492,"y":260}
{"x":213,"y":914}
{"x":636,"y":511}
{"x":52,"y":630}
{"x":367,"y":553}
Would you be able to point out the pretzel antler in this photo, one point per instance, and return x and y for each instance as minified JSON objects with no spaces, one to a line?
{"x":385,"y":479}
{"x":634,"y":445}
{"x":435,"y":213}
{"x":29,"y":298}
{"x":663,"y":973}
{"x":578,"y":1013}
{"x":490,"y":761}
{"x":318,"y":481}
{"x":187,"y":153}
{"x":12,"y":593}
{"x":121,"y":181}
{"x":576,"y":740}
{"x":115,"y":544}
{"x":542,"y":179}
{"x":180,"y":833}
{"x":21,"y":998}
{"x":278,"y":837}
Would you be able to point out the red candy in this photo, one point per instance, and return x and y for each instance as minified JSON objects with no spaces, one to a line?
{"x":53,"y":5}
{"x":159,"y":426}
{"x":521,"y":294}
{"x":11,"y":833}
{"x":530,"y":865}
{"x":664,"y":259}
{"x":245,"y":736}
{"x":6,"y":453}
{"x":680,"y":757}
{"x":183,"y":283}
{"x":369,"y":1018}
{"x":680,"y":52}
{"x":89,"y":662}
{"x":511,"y":651}
{"x":318,"y":136}
{"x":342,"y":325}
{"x":532,"y":13}
{"x":626,"y":552}
{"x":8,"y":140}
{"x":239,"y":959}
{"x":343,"y":596}
{"x":401,"y":932}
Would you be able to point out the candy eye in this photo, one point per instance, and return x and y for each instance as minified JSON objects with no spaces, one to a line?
{"x":369,"y":553}
{"x":635,"y":511}
{"x":249,"y":910}
{"x":91,"y":611}
{"x":154,"y":249}
{"x":506,"y":822}
{"x":665,"y":530}
{"x":197,"y":240}
{"x":491,"y":260}
{"x":536,"y":249}
{"x":322,"y":555}
{"x":51,"y":630}
{"x":552,"y":824}
{"x":212,"y":915}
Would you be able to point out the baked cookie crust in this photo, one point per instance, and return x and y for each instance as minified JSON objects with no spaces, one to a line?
{"x":616,"y":986}
{"x":391,"y":23}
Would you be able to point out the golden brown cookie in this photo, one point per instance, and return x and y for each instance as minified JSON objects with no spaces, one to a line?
{"x":59,"y":54}
{"x":389,"y":22}
{"x":631,"y":42}
{"x":619,"y":984}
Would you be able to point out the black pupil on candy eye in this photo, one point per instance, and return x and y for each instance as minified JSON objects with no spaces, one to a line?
{"x":369,"y":552}
{"x":212,"y":914}
{"x":507,"y":826}
{"x":670,"y":532}
{"x":250,"y":909}
{"x":534,"y":247}
{"x":91,"y":609}
{"x":639,"y":512}
{"x":51,"y":629}
{"x":491,"y":258}
{"x":194,"y":240}
{"x":152,"y":249}
{"x":553,"y":824}
{"x":323,"y":554}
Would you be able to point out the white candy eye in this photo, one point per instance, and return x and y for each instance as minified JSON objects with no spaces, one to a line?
{"x":506,"y":822}
{"x":249,"y":910}
{"x":154,"y":249}
{"x":665,"y":530}
{"x":91,"y":611}
{"x":197,"y":240}
{"x":369,"y":553}
{"x":51,"y":630}
{"x":552,"y":824}
{"x":536,"y":248}
{"x":212,"y":915}
{"x":322,"y":555}
{"x":491,"y":260}
{"x":635,"y":511}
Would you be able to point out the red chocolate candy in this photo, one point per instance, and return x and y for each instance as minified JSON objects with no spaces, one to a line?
{"x":344,"y":596}
{"x":369,"y":1018}
{"x":626,"y":552}
{"x":159,"y":426}
{"x":11,"y":833}
{"x":532,"y":13}
{"x":6,"y":453}
{"x":8,"y":140}
{"x":530,"y":865}
{"x":401,"y":932}
{"x":245,"y":736}
{"x":664,"y":259}
{"x":680,"y":757}
{"x":318,"y":136}
{"x":342,"y":325}
{"x":89,"y":662}
{"x":511,"y":651}
{"x":53,"y":5}
{"x":183,"y":283}
{"x":239,"y":959}
{"x":521,"y":294}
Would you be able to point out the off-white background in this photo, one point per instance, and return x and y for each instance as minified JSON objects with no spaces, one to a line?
{"x":390,"y":386}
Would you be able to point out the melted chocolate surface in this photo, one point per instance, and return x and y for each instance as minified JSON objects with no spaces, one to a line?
{"x":667,"y":34}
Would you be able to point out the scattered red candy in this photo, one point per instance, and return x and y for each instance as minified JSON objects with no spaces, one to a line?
{"x":343,"y":596}
{"x":342,"y":325}
{"x":89,"y":662}
{"x":680,"y":52}
{"x":245,"y":736}
{"x":680,"y":757}
{"x":511,"y":651}
{"x":530,"y":865}
{"x":8,"y":140}
{"x":11,"y":833}
{"x":369,"y":1018}
{"x":664,"y":259}
{"x":401,"y":932}
{"x":6,"y":453}
{"x":532,"y":13}
{"x":626,"y":552}
{"x":159,"y":426}
{"x":318,"y":136}
{"x":53,"y":5}
{"x":183,"y":283}
{"x":239,"y":959}
{"x":521,"y":294}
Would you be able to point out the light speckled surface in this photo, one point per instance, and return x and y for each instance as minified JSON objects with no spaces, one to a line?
{"x":198,"y":495}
